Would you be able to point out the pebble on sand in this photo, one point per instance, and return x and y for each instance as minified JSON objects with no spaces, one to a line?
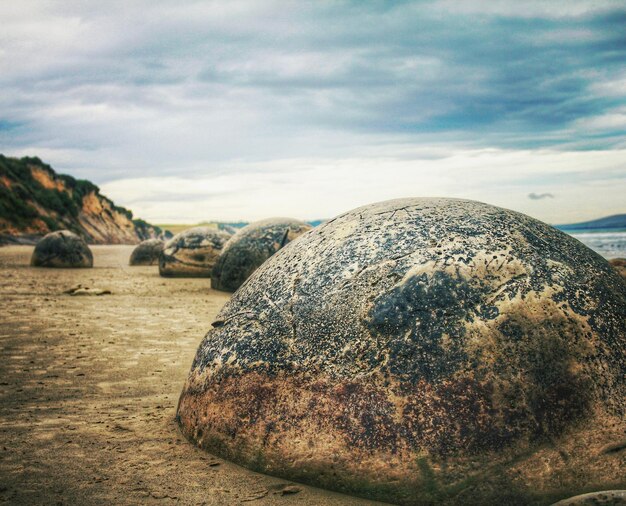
{"x":86,"y":290}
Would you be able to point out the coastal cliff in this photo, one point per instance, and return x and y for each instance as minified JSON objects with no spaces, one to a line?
{"x":35,"y":200}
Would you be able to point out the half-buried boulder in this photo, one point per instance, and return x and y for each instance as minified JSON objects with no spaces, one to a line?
{"x":619,"y":264}
{"x":192,"y":253}
{"x":603,"y":498}
{"x":422,"y":351}
{"x":62,"y":249}
{"x":147,"y":252}
{"x":246,"y":251}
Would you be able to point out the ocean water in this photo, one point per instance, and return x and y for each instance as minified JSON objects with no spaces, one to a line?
{"x":608,"y":244}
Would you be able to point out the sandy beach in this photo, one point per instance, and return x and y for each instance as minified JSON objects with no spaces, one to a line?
{"x":89,"y":387}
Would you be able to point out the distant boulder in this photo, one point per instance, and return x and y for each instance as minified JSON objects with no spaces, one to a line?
{"x":192,"y":253}
{"x":62,"y":249}
{"x":619,"y":264}
{"x":230,"y":230}
{"x":147,"y":252}
{"x":250,"y":247}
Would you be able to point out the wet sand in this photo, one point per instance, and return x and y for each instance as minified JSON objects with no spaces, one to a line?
{"x":89,"y":386}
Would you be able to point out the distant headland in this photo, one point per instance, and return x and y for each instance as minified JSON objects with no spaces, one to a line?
{"x":35,"y":200}
{"x":613,"y":223}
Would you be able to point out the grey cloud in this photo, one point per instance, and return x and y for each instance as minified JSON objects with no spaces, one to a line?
{"x":161,"y":84}
{"x":540,"y":196}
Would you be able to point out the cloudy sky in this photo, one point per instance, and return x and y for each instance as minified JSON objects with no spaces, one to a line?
{"x":191,"y":111}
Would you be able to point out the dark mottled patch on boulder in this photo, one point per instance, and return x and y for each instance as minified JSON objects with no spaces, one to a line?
{"x":192,"y":253}
{"x":421,"y":351}
{"x":436,"y":306}
{"x":250,"y":247}
{"x":62,"y":249}
{"x":147,"y":252}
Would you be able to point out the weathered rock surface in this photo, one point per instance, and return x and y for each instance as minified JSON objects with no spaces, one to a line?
{"x":603,"y":498}
{"x":246,"y":251}
{"x":619,"y":264}
{"x":147,"y":252}
{"x":422,"y":351}
{"x":61,"y":249}
{"x":192,"y":253}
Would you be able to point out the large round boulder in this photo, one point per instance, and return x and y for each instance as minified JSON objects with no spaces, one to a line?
{"x":147,"y":252}
{"x":62,"y":249}
{"x":246,"y":251}
{"x":192,"y":253}
{"x":421,"y":351}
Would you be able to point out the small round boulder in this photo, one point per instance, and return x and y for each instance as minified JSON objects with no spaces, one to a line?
{"x":246,"y":251}
{"x":192,"y":253}
{"x":619,"y":264}
{"x":62,"y":249}
{"x":421,"y":351}
{"x":147,"y":252}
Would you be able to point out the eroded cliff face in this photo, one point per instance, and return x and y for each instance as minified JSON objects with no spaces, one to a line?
{"x":104,"y":223}
{"x":35,"y":200}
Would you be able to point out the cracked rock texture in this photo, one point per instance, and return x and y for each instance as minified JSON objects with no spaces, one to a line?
{"x":62,"y":249}
{"x":147,"y":252}
{"x":246,"y":251}
{"x":192,"y":253}
{"x":422,"y":351}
